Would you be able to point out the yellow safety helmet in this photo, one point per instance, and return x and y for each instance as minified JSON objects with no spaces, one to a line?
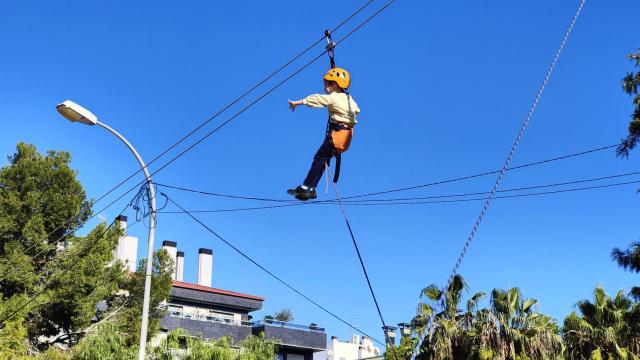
{"x":340,"y":76}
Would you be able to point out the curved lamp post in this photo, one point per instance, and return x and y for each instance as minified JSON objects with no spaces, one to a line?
{"x":76,"y":113}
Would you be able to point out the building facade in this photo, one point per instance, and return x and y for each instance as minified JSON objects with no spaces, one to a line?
{"x":211,"y":313}
{"x":355,"y":348}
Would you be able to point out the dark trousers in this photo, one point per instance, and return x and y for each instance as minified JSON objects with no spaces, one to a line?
{"x":322,"y":156}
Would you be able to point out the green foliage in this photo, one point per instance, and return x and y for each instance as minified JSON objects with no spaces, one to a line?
{"x":257,"y":348}
{"x":37,"y":195}
{"x":284,"y":314}
{"x":13,"y":340}
{"x":41,"y":202}
{"x":54,"y":353}
{"x":106,"y":343}
{"x":509,"y":329}
{"x":180,"y":345}
{"x":402,"y":351}
{"x":73,"y":296}
{"x":129,"y":320}
{"x":629,"y":259}
{"x":606,"y":328}
{"x":631,"y":85}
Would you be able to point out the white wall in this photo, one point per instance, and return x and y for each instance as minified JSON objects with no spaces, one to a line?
{"x":355,"y":348}
{"x":127,"y":251}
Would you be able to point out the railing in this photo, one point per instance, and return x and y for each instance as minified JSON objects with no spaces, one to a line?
{"x":209,"y":318}
{"x":215,"y":319}
{"x":288,"y":325}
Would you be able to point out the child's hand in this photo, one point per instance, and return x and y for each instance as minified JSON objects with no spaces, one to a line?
{"x":292,"y":105}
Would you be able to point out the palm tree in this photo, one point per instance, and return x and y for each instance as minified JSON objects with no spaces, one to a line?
{"x":445,"y":338}
{"x":602,"y":331}
{"x":284,"y":315}
{"x":509,"y":329}
{"x":523,"y":333}
{"x":631,"y":85}
{"x":629,"y":260}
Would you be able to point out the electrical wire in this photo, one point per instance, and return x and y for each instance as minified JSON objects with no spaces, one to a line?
{"x":20,"y":267}
{"x":440,"y":182}
{"x":220,"y":112}
{"x":405,"y":201}
{"x":267,"y":271}
{"x":52,"y":278}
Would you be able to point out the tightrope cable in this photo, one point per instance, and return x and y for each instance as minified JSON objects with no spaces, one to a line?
{"x":514,"y":147}
{"x":364,"y":268}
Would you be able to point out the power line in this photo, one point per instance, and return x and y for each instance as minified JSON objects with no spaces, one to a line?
{"x":395,"y":201}
{"x":52,"y":279}
{"x":468,"y":177}
{"x":510,"y":155}
{"x":18,"y":268}
{"x":220,"y":112}
{"x":400,"y":202}
{"x":532,"y":187}
{"x":272,"y":89}
{"x":267,"y":271}
{"x":440,"y":182}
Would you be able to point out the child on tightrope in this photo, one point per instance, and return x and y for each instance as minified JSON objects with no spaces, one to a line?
{"x":342,"y":118}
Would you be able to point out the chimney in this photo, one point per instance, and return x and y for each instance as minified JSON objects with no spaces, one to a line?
{"x":405,"y":330}
{"x":390,"y":334}
{"x":205,"y":267}
{"x":127,"y":249}
{"x":170,"y":248}
{"x":179,"y":265}
{"x":122,"y":222}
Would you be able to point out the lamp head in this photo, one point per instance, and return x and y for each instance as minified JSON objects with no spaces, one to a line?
{"x":76,"y":113}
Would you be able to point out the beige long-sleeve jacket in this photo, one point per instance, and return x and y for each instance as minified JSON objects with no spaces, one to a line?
{"x":342,"y":108}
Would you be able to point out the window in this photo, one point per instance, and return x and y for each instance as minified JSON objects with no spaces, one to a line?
{"x":222,"y":316}
{"x":175,"y":310}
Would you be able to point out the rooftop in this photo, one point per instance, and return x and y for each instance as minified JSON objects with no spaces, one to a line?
{"x":184,"y":285}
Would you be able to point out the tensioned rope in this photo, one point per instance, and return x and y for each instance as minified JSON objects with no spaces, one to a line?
{"x":220,"y":112}
{"x":514,"y":147}
{"x":267,"y":271}
{"x":364,"y":268}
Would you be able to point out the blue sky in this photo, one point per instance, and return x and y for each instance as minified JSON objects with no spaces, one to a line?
{"x":443,"y":88}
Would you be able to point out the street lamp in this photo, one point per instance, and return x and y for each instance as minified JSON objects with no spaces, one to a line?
{"x":76,"y":113}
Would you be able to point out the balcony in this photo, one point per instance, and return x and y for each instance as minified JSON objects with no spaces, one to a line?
{"x":292,"y":335}
{"x":209,"y":318}
{"x":206,"y":326}
{"x":288,"y":325}
{"x":289,"y":335}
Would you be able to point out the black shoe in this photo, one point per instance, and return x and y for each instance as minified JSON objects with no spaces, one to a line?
{"x":303,"y":194}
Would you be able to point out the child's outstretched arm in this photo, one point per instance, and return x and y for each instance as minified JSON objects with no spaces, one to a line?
{"x":313,"y":101}
{"x":293,"y":104}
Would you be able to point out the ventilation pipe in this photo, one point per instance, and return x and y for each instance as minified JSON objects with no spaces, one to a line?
{"x":205,"y":267}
